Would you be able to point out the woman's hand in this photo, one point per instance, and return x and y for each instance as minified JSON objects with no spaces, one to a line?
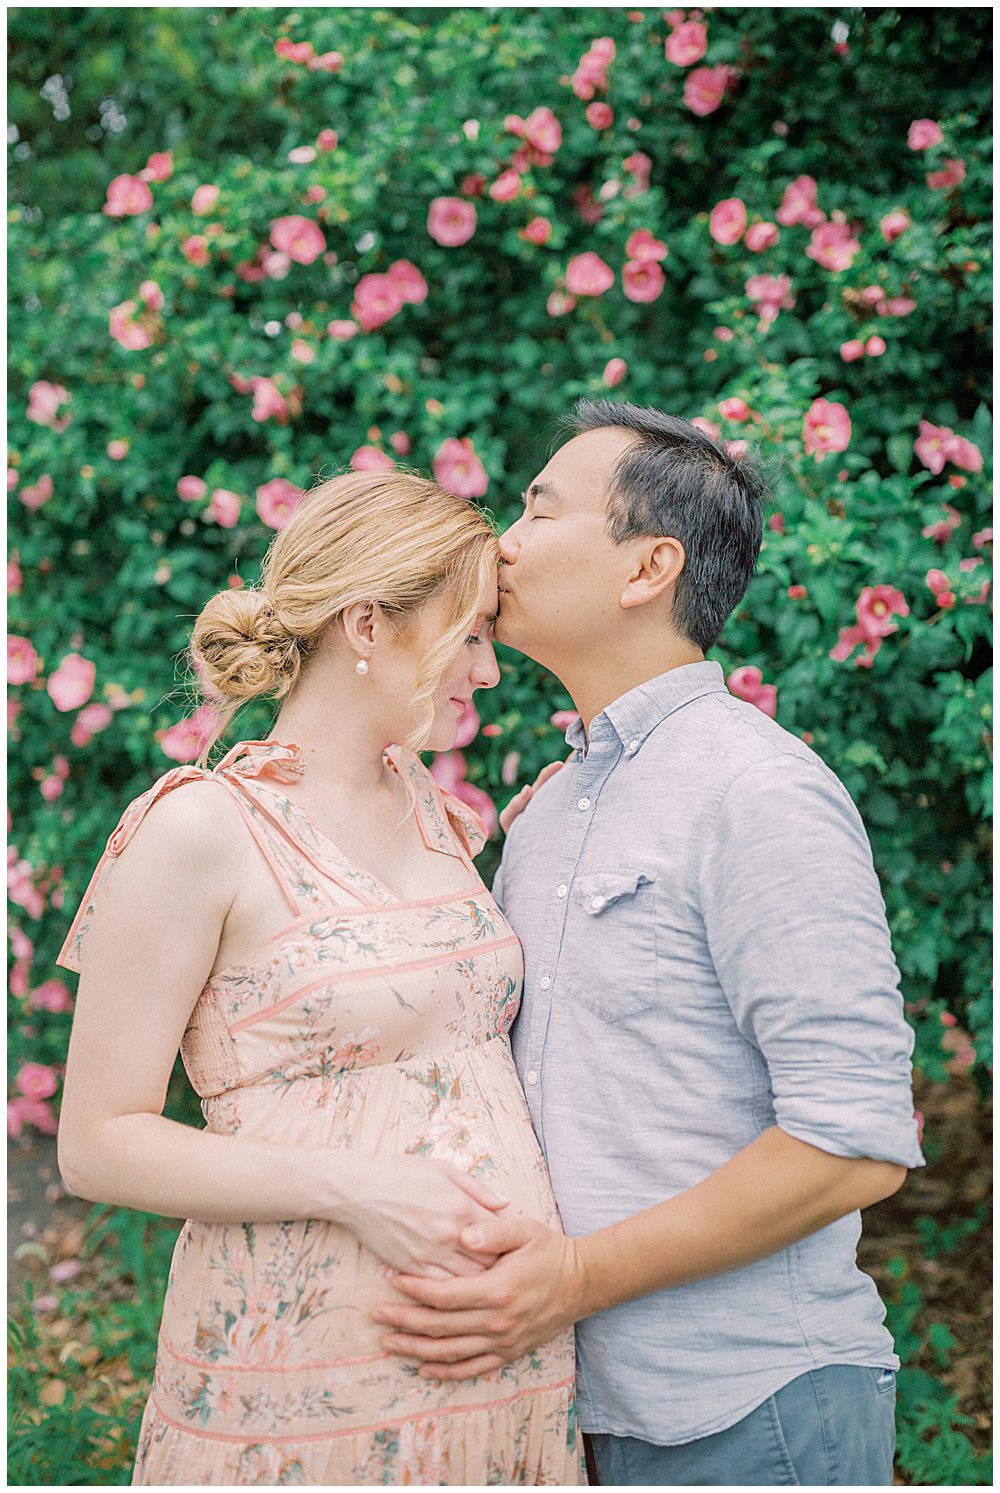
{"x":521,"y":800}
{"x":410,"y":1211}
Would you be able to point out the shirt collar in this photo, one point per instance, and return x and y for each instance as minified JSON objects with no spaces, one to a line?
{"x":632,"y":716}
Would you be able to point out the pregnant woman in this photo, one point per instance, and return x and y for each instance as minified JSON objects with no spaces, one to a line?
{"x":306,"y":924}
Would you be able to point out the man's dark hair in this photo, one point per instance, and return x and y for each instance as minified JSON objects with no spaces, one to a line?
{"x":677,"y":481}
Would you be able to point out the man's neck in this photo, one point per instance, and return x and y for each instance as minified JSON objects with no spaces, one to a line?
{"x":596,"y":682}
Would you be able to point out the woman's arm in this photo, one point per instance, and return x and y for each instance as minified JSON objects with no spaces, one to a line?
{"x":150,"y":949}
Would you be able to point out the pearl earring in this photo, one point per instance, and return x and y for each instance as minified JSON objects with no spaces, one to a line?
{"x":361,"y":667}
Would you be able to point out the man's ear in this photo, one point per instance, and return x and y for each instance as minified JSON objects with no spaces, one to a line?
{"x":657,"y":566}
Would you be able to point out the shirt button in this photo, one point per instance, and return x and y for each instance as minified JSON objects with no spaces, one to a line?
{"x":597,"y":903}
{"x":633,"y":746}
{"x":583,"y":803}
{"x":531,"y":1077}
{"x":545,"y":982}
{"x":562,"y":890}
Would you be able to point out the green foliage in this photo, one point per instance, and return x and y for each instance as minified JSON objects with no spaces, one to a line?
{"x":115,"y":565}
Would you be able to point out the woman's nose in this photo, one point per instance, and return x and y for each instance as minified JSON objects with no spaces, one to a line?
{"x":486,"y":674}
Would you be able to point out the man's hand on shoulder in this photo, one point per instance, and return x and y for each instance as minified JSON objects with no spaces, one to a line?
{"x":473,"y":1324}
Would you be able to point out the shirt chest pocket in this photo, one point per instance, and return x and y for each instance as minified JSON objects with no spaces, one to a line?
{"x":609,"y":949}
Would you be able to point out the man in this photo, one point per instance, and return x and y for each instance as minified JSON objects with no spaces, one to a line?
{"x":711,"y":1039}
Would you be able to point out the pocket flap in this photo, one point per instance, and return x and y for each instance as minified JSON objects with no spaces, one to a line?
{"x":602,"y":889}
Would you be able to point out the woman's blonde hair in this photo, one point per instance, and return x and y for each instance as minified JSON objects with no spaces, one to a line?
{"x":387,"y":537}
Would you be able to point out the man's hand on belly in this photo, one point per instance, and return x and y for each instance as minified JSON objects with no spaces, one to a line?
{"x":471,"y":1325}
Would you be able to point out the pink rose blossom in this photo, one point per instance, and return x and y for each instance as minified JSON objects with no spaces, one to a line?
{"x":587,"y":205}
{"x":923,"y":133}
{"x":128,"y":333}
{"x":408,"y":281}
{"x":728,"y":220}
{"x":13,"y":478}
{"x":377,"y":299}
{"x":191,"y":489}
{"x":734,"y":409}
{"x":687,"y":44}
{"x":268,"y":402}
{"x":600,"y":116}
{"x":72,"y":683}
{"x":543,"y":130}
{"x":876,"y":607}
{"x":294,"y":51}
{"x":342,"y":331}
{"x":185,"y":740}
{"x":298,"y":237}
{"x":737,"y":449}
{"x":451,"y":221}
{"x":563,"y":719}
{"x":326,"y":62}
{"x":21,"y":1112}
{"x":274,"y":264}
{"x":44,"y":401}
{"x":747,"y":684}
{"x":826,"y":427}
{"x":591,"y":70}
{"x":159,"y":167}
{"x":951,"y":174}
{"x":963,"y":453}
{"x":302,"y":351}
{"x":642,"y":245}
{"x":761,"y":236}
{"x":50,"y":787}
{"x":204,"y":199}
{"x":983,"y":538}
{"x":941,"y":530}
{"x":37,"y":1081}
{"x":587,"y":274}
{"x":707,"y":427}
{"x":770,"y":294}
{"x":614,"y":371}
{"x":506,"y":187}
{"x":833,"y":246}
{"x":937,"y":444}
{"x":224,"y":508}
{"x":875,"y":347}
{"x":400,"y":443}
{"x":371,"y":459}
{"x":893,"y":224}
{"x":798,"y":204}
{"x":558,"y":304}
{"x":459,"y":470}
{"x":639,"y":166}
{"x":127,"y":196}
{"x":508,"y":769}
{"x":195,"y":249}
{"x":940,"y":587}
{"x":705,"y":88}
{"x":642,"y":280}
{"x":449,"y":769}
{"x":897,"y":305}
{"x":538,"y":231}
{"x":277,"y":500}
{"x":91,"y":720}
{"x":52,"y":996}
{"x":151,"y":295}
{"x":22,"y":660}
{"x":117,"y":450}
{"x":797,"y":593}
{"x":39,"y":493}
{"x":327,"y":140}
{"x":853,"y":350}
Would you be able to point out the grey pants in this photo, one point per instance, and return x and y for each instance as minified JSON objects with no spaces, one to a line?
{"x":830,"y":1427}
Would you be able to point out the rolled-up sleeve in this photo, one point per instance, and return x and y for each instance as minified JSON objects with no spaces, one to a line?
{"x":797,"y":931}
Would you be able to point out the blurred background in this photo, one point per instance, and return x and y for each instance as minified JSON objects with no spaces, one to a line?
{"x":249,"y":247}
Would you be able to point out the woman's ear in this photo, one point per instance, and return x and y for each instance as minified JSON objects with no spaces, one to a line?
{"x":359,"y":621}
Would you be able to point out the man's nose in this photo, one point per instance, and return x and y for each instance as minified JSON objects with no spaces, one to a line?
{"x":509,"y":544}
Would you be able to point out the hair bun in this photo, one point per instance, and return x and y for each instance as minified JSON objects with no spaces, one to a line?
{"x":242,"y":649}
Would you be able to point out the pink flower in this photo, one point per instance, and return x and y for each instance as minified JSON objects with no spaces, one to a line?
{"x":458,"y":469}
{"x":294,"y":51}
{"x":770,"y":294}
{"x":833,"y":246}
{"x":39,"y":493}
{"x":151,"y":295}
{"x":127,"y":196}
{"x":400,"y":443}
{"x":538,"y":231}
{"x":940,"y":587}
{"x":22,"y":660}
{"x":639,"y":166}
{"x":72,"y":683}
{"x":875,"y":347}
{"x":204,"y":199}
{"x":826,"y":427}
{"x":963,"y":453}
{"x":543,"y":130}
{"x":195,"y":249}
{"x":798,"y":204}
{"x":342,"y":331}
{"x":591,"y":71}
{"x":21,"y":1112}
{"x":191,"y":489}
{"x":734,"y":409}
{"x":599,"y":116}
{"x":371,"y":459}
{"x":91,"y":720}
{"x":707,"y":427}
{"x":277,"y":500}
{"x":52,"y":996}
{"x":408,"y":281}
{"x":473,"y":184}
{"x":128,"y":333}
{"x":747,"y":684}
{"x":642,"y":280}
{"x":728,"y":221}
{"x":224,"y":508}
{"x":327,"y":140}
{"x":117,"y":450}
{"x":506,"y":187}
{"x":326,"y":62}
{"x":587,"y":274}
{"x":761,"y":236}
{"x":687,"y":44}
{"x":705,"y":88}
{"x":558,"y":304}
{"x":876,"y":607}
{"x":951,"y":174}
{"x":451,"y":221}
{"x":298,"y":237}
{"x":448,"y":769}
{"x":930,"y":446}
{"x":302,"y":351}
{"x":468,"y":726}
{"x":302,"y":155}
{"x":614,"y":371}
{"x":563,"y":719}
{"x":897,"y":305}
{"x":737,"y":449}
{"x":274,"y":264}
{"x":587,"y":205}
{"x":377,"y":299}
{"x":44,"y":400}
{"x":941,"y":530}
{"x":894,"y":223}
{"x":268,"y":402}
{"x":797,"y":593}
{"x":508,"y":769}
{"x":15,"y":577}
{"x":983,"y":538}
{"x":185,"y":741}
{"x":37,"y":1081}
{"x":642,"y":245}
{"x":50,"y":787}
{"x":159,"y":167}
{"x":853,"y":350}
{"x":923,"y":133}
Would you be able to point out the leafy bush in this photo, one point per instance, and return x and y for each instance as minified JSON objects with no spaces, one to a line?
{"x":252,"y":247}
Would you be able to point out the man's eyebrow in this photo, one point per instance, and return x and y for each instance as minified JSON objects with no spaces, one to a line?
{"x":540,"y":490}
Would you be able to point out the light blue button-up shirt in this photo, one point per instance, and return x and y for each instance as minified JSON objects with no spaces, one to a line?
{"x":706,"y":955}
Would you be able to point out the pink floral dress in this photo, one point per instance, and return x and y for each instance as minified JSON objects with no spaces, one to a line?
{"x":379,"y":1026}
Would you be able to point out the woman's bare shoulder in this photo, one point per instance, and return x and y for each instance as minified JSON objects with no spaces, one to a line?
{"x":196,"y":824}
